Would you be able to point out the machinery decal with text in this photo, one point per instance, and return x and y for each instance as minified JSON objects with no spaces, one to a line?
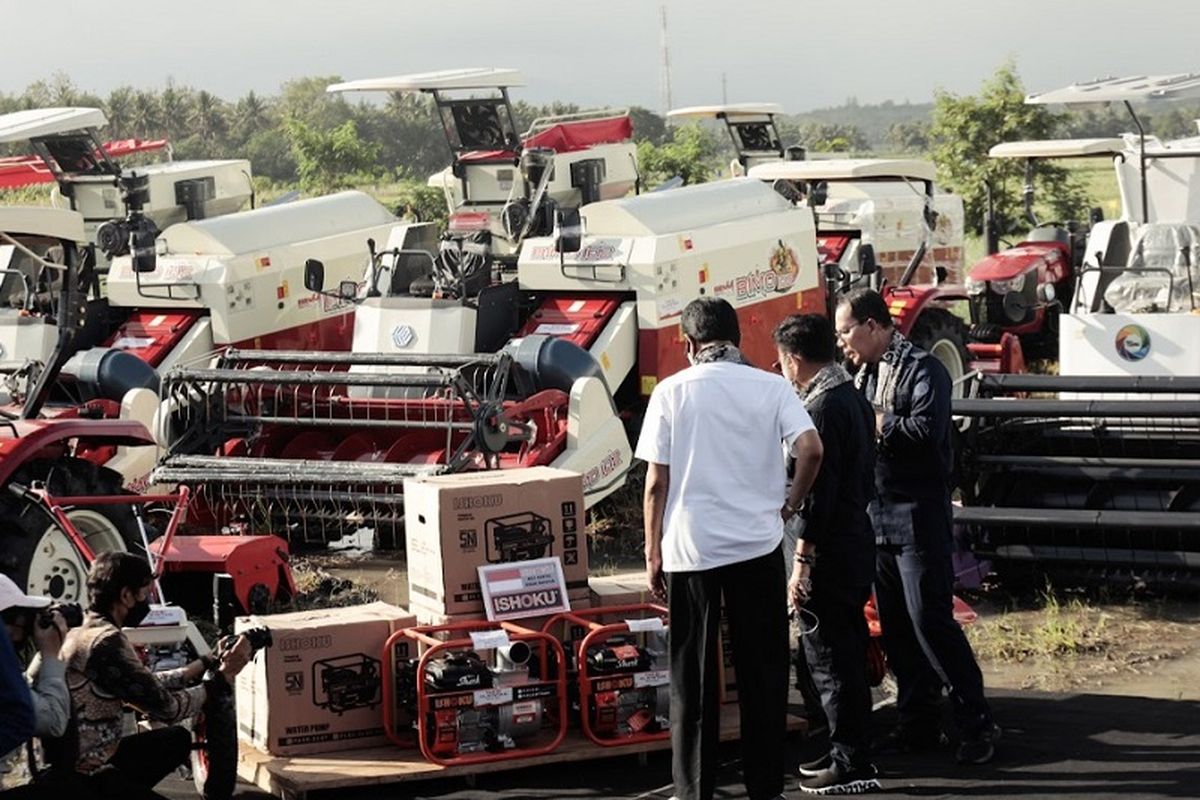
{"x":784,"y":268}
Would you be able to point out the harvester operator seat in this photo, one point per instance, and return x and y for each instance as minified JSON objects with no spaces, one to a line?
{"x":406,"y":268}
{"x":1162,"y":274}
{"x":1107,"y":247}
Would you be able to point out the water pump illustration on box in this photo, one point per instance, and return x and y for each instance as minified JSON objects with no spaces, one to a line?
{"x":343,"y":683}
{"x":518,"y":537}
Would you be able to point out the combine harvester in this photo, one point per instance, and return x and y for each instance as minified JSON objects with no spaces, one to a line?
{"x":79,"y":368}
{"x":503,"y":187}
{"x":546,"y":374}
{"x":88,"y":180}
{"x":1104,"y":479}
{"x":880,"y":223}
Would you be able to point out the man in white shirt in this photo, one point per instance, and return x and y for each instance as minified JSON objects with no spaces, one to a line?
{"x":715,"y":437}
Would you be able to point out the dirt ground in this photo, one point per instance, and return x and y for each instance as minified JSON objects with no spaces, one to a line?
{"x":1133,"y":647}
{"x":1056,"y":640}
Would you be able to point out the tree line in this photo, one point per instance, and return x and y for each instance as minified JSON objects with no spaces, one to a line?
{"x":322,"y":142}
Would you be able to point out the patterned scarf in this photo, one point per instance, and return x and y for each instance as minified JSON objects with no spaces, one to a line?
{"x":898,"y":352}
{"x":831,"y":376}
{"x":720,"y":351}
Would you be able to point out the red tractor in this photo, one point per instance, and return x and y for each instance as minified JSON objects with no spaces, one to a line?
{"x":1021,"y":289}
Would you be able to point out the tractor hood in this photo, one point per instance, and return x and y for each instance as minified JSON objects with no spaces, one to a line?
{"x":1018,"y":260}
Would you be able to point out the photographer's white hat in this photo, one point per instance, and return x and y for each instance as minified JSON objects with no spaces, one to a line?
{"x":11,"y":596}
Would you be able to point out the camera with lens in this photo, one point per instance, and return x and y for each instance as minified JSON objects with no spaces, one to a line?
{"x":137,"y":232}
{"x":258,"y":637}
{"x":72,"y":614}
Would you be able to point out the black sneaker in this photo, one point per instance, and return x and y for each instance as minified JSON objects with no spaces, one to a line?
{"x":979,"y":748}
{"x":810,"y":768}
{"x":909,"y":740}
{"x":835,"y":779}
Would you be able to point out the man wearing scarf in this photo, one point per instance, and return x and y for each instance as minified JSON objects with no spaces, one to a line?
{"x":911,"y":514}
{"x":715,"y":437}
{"x":834,"y":556}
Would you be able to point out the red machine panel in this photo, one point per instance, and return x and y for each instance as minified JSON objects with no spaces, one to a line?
{"x":578,"y":319}
{"x":150,"y":335}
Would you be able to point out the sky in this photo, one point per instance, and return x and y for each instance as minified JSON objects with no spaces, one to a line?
{"x":799,"y":53}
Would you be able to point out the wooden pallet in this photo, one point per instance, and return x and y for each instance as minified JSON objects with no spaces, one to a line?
{"x":292,"y":778}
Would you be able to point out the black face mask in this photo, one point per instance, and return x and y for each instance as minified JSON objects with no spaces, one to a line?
{"x":138,"y":613}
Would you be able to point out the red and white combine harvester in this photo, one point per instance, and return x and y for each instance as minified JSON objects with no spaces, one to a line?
{"x":503,"y":186}
{"x":1095,"y":471}
{"x":180,"y":295}
{"x":87,"y":178}
{"x":81,"y":341}
{"x":313,"y":444}
{"x":881,"y":223}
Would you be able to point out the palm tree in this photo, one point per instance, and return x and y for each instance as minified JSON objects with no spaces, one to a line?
{"x":251,"y":114}
{"x":208,"y":117}
{"x":174,"y":105}
{"x":119,"y":110}
{"x":145,"y":115}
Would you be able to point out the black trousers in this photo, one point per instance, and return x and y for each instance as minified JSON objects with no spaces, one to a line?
{"x":837,"y":659}
{"x":925,"y":647}
{"x":141,"y":762}
{"x":756,"y":607}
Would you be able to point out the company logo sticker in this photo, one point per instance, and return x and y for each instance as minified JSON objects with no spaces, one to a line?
{"x":403,"y":336}
{"x":1133,"y":343}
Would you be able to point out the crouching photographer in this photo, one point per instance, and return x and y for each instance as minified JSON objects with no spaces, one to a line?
{"x":105,"y":675}
{"x":36,"y":630}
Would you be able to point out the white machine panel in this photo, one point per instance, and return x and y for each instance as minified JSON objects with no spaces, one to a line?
{"x":1129,"y":344}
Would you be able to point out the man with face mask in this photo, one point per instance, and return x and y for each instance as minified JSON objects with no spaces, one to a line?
{"x":105,"y":675}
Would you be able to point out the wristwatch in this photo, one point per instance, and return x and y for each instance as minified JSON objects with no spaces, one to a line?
{"x":804,"y":558}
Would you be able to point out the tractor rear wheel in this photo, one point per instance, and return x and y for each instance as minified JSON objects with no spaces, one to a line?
{"x":37,"y":554}
{"x":943,"y":336}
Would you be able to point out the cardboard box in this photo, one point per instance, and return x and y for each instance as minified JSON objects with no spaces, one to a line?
{"x":457,"y":523}
{"x":319,"y":687}
{"x":622,"y":589}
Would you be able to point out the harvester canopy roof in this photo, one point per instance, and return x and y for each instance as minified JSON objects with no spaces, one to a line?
{"x":1138,"y":88}
{"x":22,"y":125}
{"x":1059,"y":148}
{"x":56,"y":223}
{"x":728,"y":109}
{"x":264,"y":228}
{"x":684,"y":209}
{"x":845,"y":169}
{"x":444,"y":80}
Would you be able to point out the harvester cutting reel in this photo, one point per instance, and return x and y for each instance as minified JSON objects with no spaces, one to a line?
{"x":318,"y":441}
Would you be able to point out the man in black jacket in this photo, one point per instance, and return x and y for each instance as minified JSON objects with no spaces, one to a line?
{"x":834,"y":561}
{"x":911,"y":514}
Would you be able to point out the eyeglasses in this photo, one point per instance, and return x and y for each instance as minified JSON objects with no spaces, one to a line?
{"x":842,"y":333}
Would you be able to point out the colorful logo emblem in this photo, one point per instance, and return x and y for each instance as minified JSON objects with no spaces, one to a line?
{"x":1133,"y":343}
